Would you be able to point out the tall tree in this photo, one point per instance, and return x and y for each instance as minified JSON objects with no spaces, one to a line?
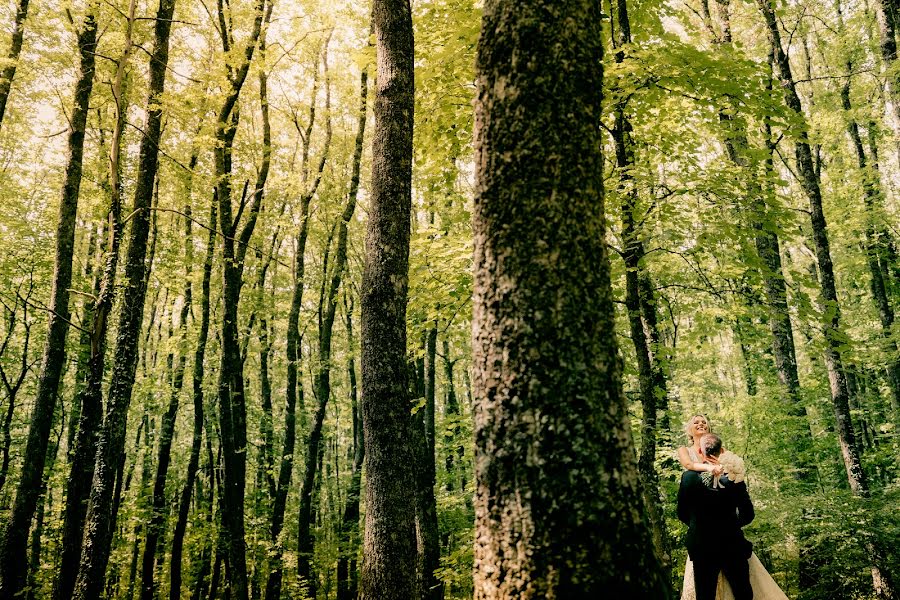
{"x":12,"y":58}
{"x":232,"y":403}
{"x":427,"y":532}
{"x":13,"y":567}
{"x":638,"y":283}
{"x":89,"y":396}
{"x":294,"y":388}
{"x":389,"y":556}
{"x":197,"y":375}
{"x":103,"y":503}
{"x":558,"y":500}
{"x":810,"y":183}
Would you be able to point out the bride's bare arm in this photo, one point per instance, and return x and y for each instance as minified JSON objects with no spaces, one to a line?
{"x":685,"y":459}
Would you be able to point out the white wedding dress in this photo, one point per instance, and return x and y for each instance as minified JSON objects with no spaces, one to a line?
{"x":764,"y":587}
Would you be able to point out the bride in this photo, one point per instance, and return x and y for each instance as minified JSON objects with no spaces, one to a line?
{"x":764,"y":587}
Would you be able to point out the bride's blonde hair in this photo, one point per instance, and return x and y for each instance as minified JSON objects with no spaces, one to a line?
{"x":687,"y":426}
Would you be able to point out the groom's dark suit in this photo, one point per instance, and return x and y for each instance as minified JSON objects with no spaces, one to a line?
{"x":715,"y":541}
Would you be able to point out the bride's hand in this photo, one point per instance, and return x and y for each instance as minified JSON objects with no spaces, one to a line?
{"x":713,"y":461}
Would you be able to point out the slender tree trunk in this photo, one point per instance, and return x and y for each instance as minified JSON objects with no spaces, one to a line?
{"x":12,"y":59}
{"x":159,"y":508}
{"x":197,"y":395}
{"x":389,"y":557}
{"x":427,"y":533}
{"x":100,"y":519}
{"x":45,"y":506}
{"x":13,"y":384}
{"x":652,"y":381}
{"x":761,"y":198}
{"x":541,"y":531}
{"x":347,"y":588}
{"x":13,"y":566}
{"x":455,"y":450}
{"x":294,"y":392}
{"x":232,"y":403}
{"x":874,"y":248}
{"x":809,"y":181}
{"x":202,"y":581}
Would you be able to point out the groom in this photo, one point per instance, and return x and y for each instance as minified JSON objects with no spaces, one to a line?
{"x":714,"y":517}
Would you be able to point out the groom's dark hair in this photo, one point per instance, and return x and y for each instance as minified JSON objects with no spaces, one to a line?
{"x":711,"y":444}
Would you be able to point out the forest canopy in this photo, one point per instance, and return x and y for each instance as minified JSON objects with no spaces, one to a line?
{"x":348,"y":299}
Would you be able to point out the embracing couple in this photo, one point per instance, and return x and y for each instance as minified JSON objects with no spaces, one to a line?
{"x":713,"y":502}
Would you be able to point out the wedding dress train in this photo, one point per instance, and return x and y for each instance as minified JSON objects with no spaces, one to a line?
{"x":764,"y":587}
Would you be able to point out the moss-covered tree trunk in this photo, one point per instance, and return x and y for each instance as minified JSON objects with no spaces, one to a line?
{"x":559,"y":511}
{"x":103,"y":504}
{"x":13,"y":565}
{"x":89,"y":395}
{"x":389,"y":555}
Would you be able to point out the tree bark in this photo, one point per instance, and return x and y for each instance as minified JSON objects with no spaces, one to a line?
{"x":389,"y":557}
{"x":12,"y":59}
{"x":101,"y":512}
{"x":13,"y":568}
{"x":89,"y":397}
{"x":542,"y":283}
{"x":888,"y":46}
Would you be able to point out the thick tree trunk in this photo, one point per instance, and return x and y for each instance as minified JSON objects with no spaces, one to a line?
{"x":12,"y":59}
{"x":13,"y":567}
{"x":541,"y":530}
{"x":101,"y":511}
{"x":389,"y":557}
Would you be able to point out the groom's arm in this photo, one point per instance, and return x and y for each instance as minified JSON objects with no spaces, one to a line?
{"x":745,"y":512}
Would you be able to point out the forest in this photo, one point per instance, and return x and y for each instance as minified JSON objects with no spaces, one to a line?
{"x":413,"y":299}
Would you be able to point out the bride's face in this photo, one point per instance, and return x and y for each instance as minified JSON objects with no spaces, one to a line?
{"x":699,"y":426}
